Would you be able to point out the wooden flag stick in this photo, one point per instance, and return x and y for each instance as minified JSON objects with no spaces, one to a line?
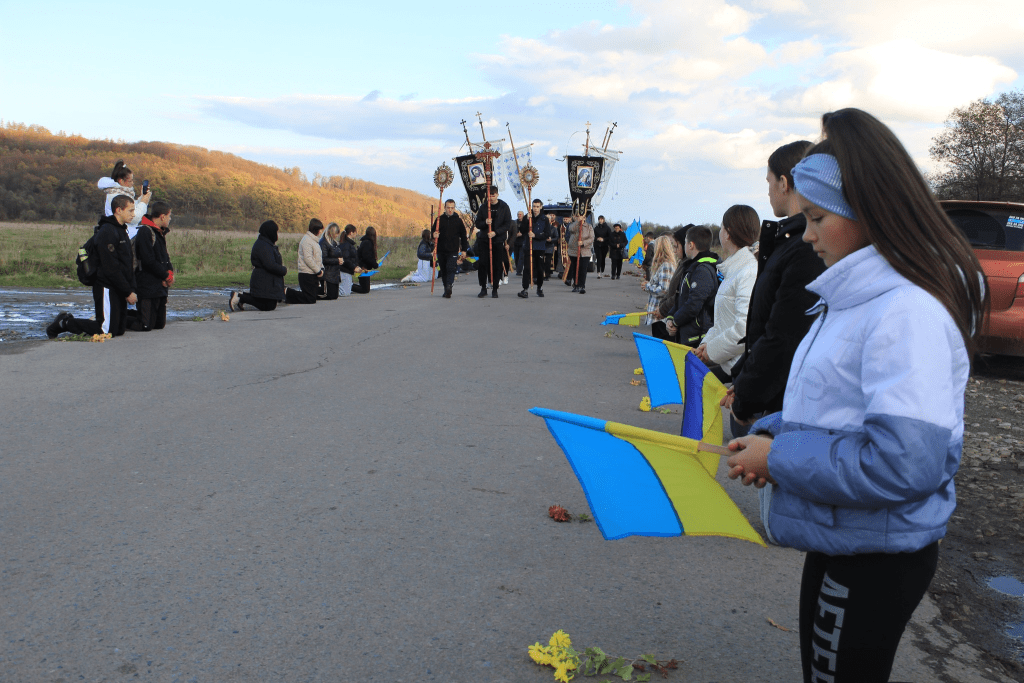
{"x":711,"y":448}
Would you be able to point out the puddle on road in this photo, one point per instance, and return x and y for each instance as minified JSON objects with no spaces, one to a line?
{"x":1007,"y":585}
{"x":24,"y":314}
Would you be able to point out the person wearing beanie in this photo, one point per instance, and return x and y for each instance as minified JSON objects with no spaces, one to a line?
{"x":694,"y":311}
{"x":154,"y":274}
{"x":266,"y":284}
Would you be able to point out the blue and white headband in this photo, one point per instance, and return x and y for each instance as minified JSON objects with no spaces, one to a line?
{"x":818,"y":180}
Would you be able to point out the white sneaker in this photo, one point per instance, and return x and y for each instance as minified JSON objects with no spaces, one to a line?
{"x":504,"y":280}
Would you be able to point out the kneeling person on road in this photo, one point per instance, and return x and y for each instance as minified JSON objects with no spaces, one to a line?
{"x":115,"y":277}
{"x":154,"y":272}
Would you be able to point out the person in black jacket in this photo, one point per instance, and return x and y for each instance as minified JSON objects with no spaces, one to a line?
{"x":266,"y":284}
{"x":694,"y":311}
{"x":154,"y":272}
{"x":452,"y":245}
{"x":115,"y":277}
{"x":330,"y":250}
{"x":616,"y":250}
{"x":367,"y":258}
{"x":517,"y":243}
{"x":777,"y":320}
{"x":540,"y":235}
{"x":491,"y":242}
{"x":349,"y":261}
{"x":602,"y":239}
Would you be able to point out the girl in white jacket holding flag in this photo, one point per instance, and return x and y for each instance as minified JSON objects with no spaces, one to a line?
{"x":862,"y":457}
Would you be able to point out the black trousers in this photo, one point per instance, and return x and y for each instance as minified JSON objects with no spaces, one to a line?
{"x":659,"y":331}
{"x":447,"y":264}
{"x":601,"y":252}
{"x":363,"y":286}
{"x":616,"y":267}
{"x":256,"y":302}
{"x":331,"y":290}
{"x":854,"y":608}
{"x":534,"y":270}
{"x":152,"y":315}
{"x":483,"y":266}
{"x":310,"y":286}
{"x":111,"y":314}
{"x":584,"y":266}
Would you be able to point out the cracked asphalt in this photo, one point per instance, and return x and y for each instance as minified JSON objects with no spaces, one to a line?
{"x":354,"y":491}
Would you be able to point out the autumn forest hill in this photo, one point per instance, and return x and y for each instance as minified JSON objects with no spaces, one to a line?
{"x":52,"y":177}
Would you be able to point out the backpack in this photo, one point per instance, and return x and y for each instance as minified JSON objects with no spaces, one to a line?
{"x":135,"y":252}
{"x":87,"y":262}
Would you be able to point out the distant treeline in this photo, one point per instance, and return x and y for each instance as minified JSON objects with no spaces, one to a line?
{"x":46,"y":176}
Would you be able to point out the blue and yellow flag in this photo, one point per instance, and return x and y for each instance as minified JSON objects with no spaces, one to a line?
{"x":628,"y":319}
{"x":376,"y":270}
{"x":635,"y":246}
{"x":639,"y":482}
{"x":675,"y":376}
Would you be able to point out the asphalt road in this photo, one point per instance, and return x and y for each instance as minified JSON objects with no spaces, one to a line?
{"x":355,"y":491}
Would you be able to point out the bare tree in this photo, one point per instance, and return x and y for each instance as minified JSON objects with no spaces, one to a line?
{"x":981,"y":151}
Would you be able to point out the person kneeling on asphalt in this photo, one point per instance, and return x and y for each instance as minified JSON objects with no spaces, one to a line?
{"x":114,"y":288}
{"x":266,"y":284}
{"x":330,"y":249}
{"x":349,"y":261}
{"x":311,"y":266}
{"x":154,"y":272}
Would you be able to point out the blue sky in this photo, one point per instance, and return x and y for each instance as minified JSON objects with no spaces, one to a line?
{"x":702,"y":91}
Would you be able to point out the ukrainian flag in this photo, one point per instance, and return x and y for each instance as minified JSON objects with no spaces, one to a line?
{"x":675,"y":376}
{"x":376,"y":270}
{"x":639,"y":482}
{"x":628,"y":319}
{"x":635,"y":246}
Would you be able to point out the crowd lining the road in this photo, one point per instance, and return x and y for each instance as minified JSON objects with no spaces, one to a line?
{"x":846,"y":330}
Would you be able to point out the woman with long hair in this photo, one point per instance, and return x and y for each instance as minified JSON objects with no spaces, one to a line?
{"x":861,"y":458}
{"x":332,"y":256}
{"x":424,"y":260}
{"x":722,"y":346}
{"x":122,"y":181}
{"x":663,"y":267}
{"x":367,"y":254}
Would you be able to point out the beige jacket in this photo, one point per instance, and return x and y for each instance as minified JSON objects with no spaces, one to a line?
{"x":311,"y":258}
{"x":586,"y":239}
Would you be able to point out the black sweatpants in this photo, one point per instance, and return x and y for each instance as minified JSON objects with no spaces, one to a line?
{"x":310,"y":287}
{"x":536,"y":269}
{"x":257,"y":302}
{"x":483,"y":266}
{"x":854,"y":608}
{"x":331,"y":290}
{"x":152,"y":315}
{"x":616,"y":267}
{"x":584,"y":266}
{"x":111,"y":314}
{"x":601,"y":252}
{"x":447,"y":264}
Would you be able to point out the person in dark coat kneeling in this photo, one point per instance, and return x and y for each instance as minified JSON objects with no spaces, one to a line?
{"x":266,"y":285}
{"x":155,"y":272}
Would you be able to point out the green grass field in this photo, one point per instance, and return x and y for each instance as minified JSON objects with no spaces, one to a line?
{"x":36,"y":255}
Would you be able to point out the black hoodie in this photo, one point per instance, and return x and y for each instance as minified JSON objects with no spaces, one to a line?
{"x":117,"y":262}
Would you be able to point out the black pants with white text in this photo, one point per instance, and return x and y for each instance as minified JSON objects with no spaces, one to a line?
{"x":854,"y":608}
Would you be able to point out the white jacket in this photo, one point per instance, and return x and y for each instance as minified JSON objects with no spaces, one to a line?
{"x":870,"y":434}
{"x":311,"y":257}
{"x":140,"y":207}
{"x":731,"y":305}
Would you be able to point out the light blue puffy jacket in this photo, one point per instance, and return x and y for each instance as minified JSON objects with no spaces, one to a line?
{"x":871,"y":430}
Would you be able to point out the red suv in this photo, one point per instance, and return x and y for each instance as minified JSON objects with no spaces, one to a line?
{"x":996,"y":231}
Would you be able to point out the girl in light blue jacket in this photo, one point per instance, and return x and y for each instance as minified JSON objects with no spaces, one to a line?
{"x":862,"y":457}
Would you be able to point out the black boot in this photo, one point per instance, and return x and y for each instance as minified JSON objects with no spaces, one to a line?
{"x":447,"y":293}
{"x":494,"y":292}
{"x":525,"y":294}
{"x":540,"y":292}
{"x":482,"y":294}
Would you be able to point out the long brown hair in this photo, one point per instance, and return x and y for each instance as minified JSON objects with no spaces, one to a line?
{"x":901,"y":217}
{"x":743,"y":225}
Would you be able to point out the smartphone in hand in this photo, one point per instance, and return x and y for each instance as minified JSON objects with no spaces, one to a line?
{"x":145,"y":186}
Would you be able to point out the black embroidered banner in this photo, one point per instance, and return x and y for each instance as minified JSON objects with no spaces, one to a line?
{"x":474,"y":179}
{"x":584,"y":179}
